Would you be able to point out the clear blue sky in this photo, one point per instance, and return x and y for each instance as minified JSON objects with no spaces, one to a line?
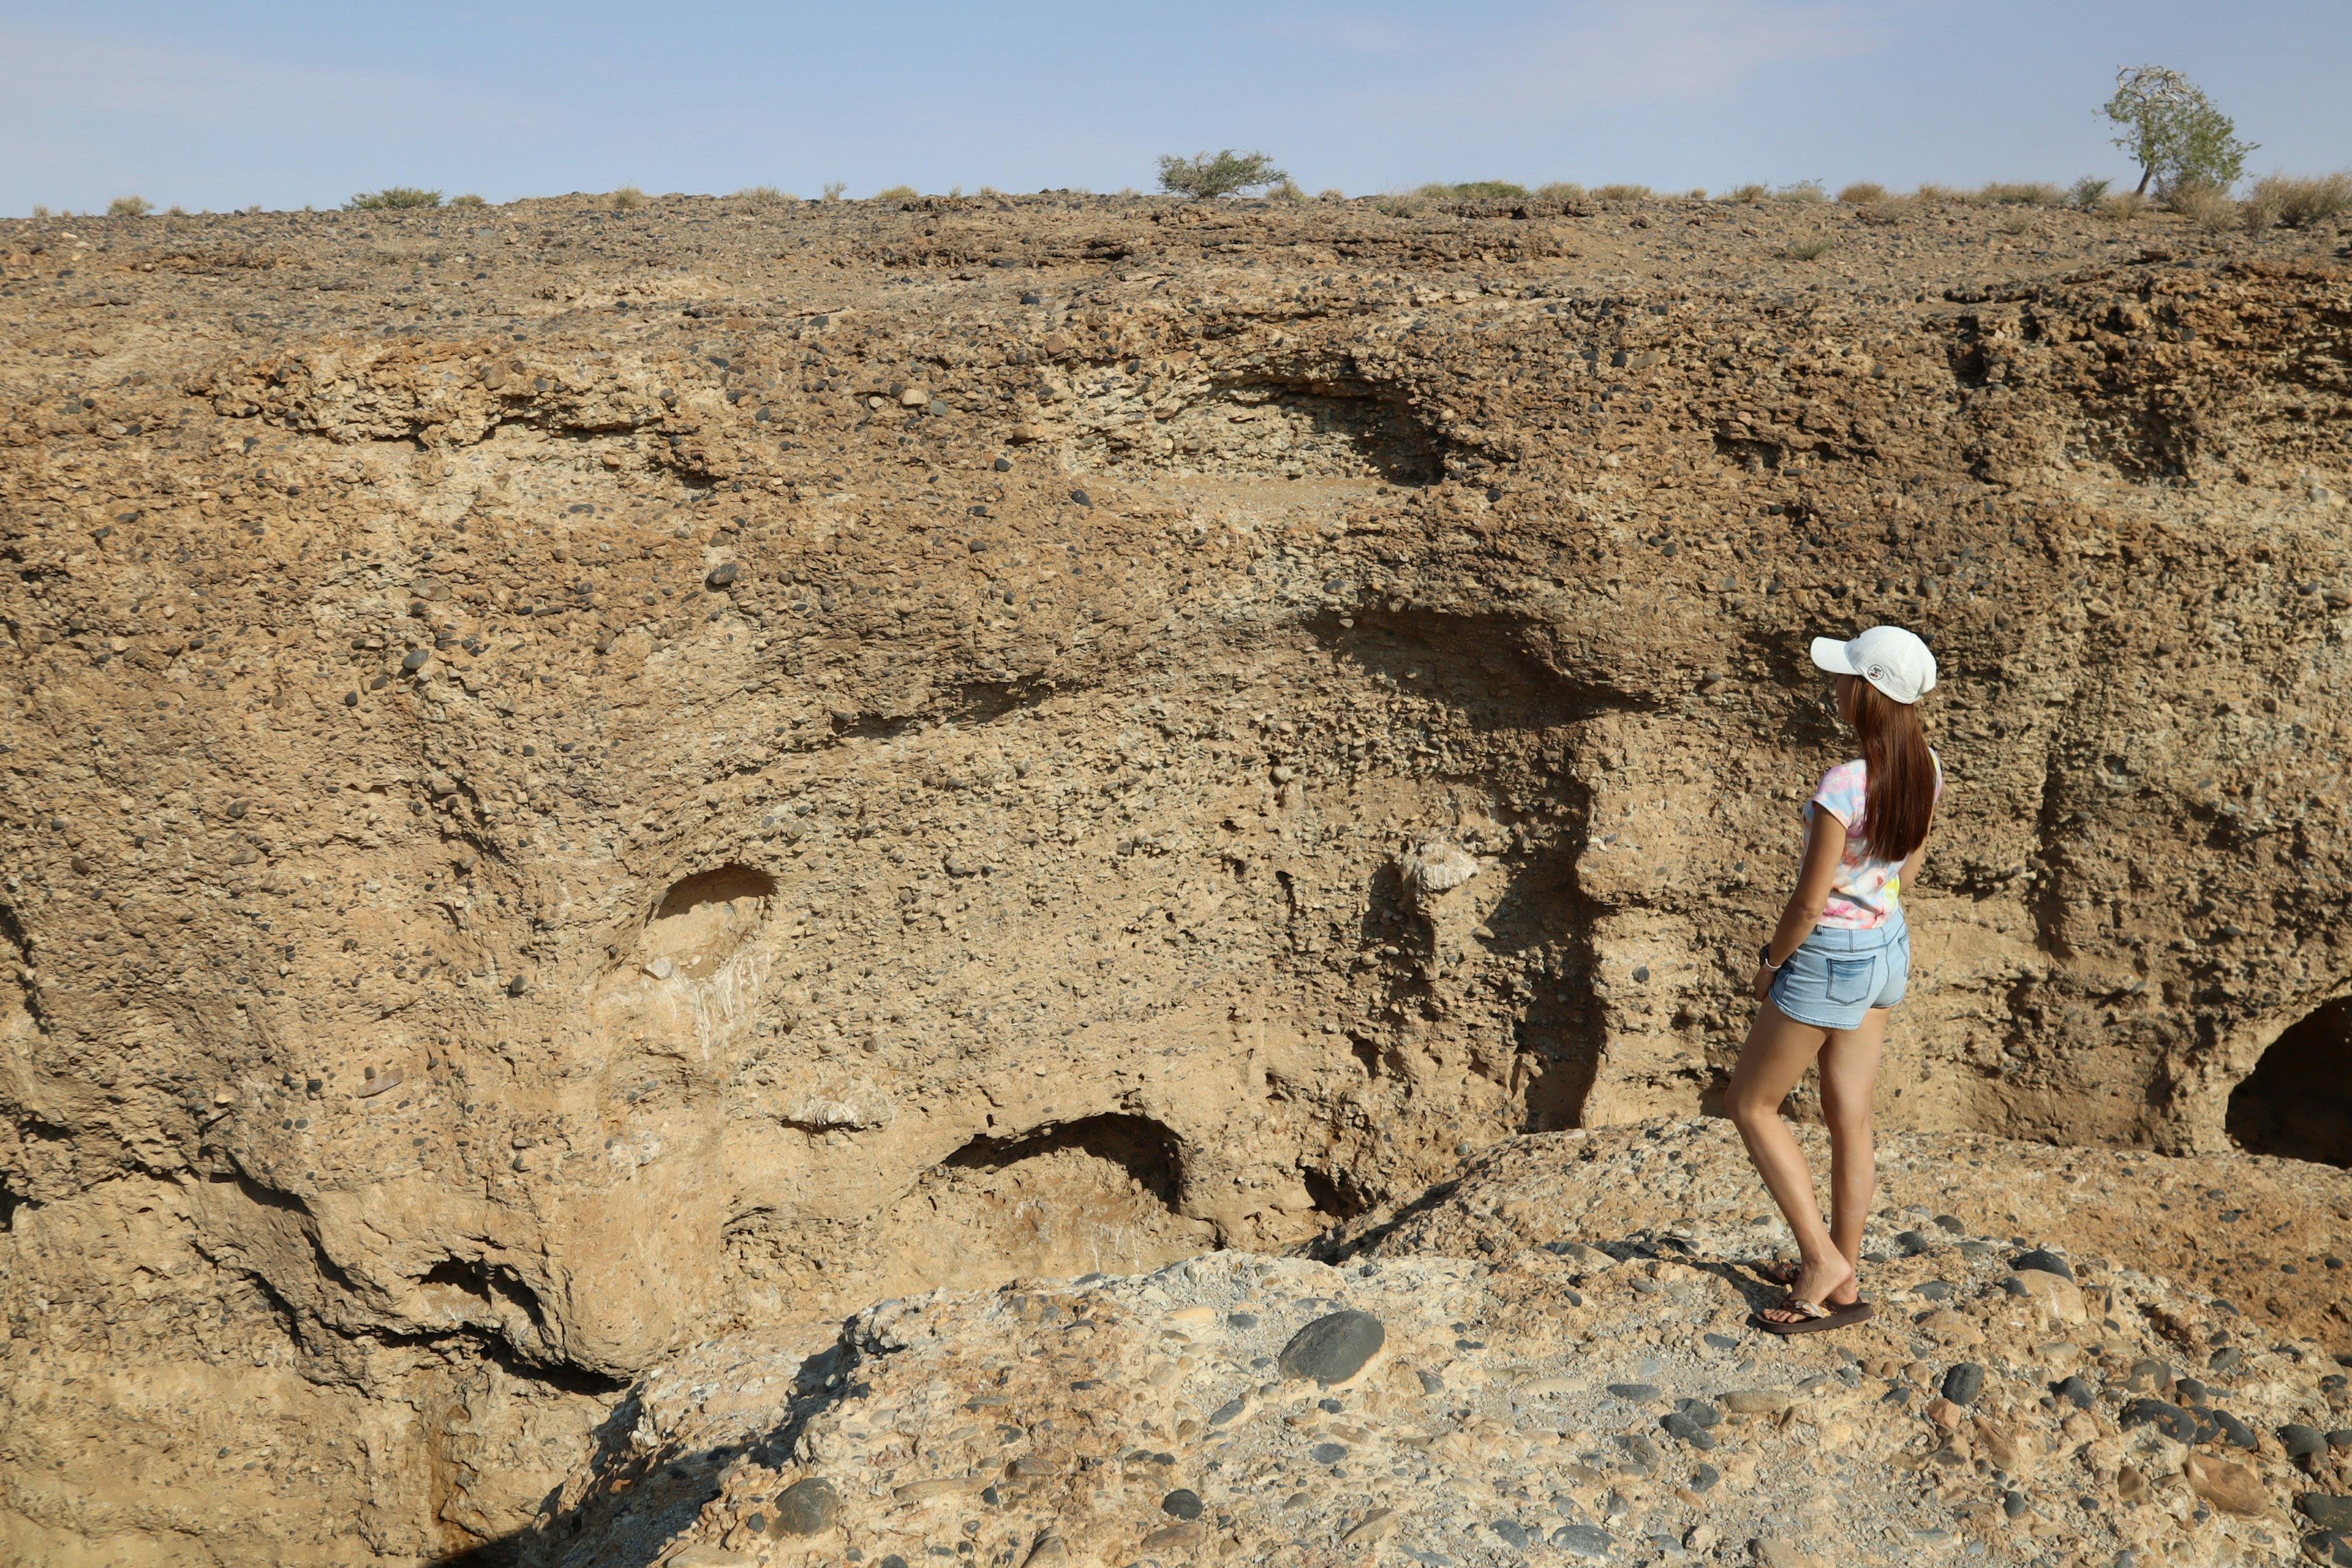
{"x":233,"y":102}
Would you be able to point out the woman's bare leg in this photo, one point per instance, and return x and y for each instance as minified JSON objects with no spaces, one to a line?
{"x":1849,"y":1067}
{"x":1778,"y":1051}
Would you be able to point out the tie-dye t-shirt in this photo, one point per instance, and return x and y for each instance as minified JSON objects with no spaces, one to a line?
{"x":1866,"y":893}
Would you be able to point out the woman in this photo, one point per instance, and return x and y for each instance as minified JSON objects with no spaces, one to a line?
{"x":1838,"y":961}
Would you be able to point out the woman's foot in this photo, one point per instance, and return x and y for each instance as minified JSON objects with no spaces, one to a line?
{"x":1781,"y":1273}
{"x":1829,"y":1282}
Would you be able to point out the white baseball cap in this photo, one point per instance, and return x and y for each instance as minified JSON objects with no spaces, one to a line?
{"x":1890,"y":658}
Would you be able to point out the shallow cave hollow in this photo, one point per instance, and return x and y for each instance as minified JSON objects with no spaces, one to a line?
{"x":2297,"y":1102}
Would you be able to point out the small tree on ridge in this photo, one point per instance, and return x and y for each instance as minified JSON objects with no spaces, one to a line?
{"x":1202,"y":176}
{"x":2174,"y":132}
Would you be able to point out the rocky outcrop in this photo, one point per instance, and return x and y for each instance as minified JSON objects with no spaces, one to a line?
{"x":564,"y":806}
{"x":1570,"y":1395}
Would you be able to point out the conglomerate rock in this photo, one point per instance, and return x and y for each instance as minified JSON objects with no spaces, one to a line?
{"x":582,"y":781}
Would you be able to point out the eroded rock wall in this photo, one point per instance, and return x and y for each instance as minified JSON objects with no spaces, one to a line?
{"x":582,"y":781}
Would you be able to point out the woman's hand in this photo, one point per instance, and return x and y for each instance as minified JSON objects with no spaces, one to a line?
{"x":1764,"y":982}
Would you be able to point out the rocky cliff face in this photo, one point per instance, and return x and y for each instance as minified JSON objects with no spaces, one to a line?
{"x":585,"y":781}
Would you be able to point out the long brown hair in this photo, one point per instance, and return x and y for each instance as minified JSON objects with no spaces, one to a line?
{"x":1902,"y":773}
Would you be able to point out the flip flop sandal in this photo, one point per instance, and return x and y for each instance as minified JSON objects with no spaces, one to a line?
{"x":1818,"y":1319}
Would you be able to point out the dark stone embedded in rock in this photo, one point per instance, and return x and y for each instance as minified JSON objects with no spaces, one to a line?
{"x":2326,"y":1512}
{"x":416,"y":659}
{"x":2232,"y":1430}
{"x":2149,"y":1376}
{"x":2331,"y":1546}
{"x":1936,"y":1290}
{"x":1004,"y":465}
{"x":1512,"y":1531}
{"x":351,"y":699}
{"x":808,"y":1507}
{"x":2168,"y":1418}
{"x":1588,"y":1541}
{"x":2046,"y":1260}
{"x":1333,"y":1349}
{"x":2301,"y":1442}
{"x":517,"y":985}
{"x":2013,"y":1504}
{"x":1641,"y":1454}
{"x":1633,"y":1393}
{"x":1699,"y":1410}
{"x":2194,"y":1391}
{"x":2081,"y":1394}
{"x":1181,"y":1503}
{"x":1081,"y":498}
{"x":1951,"y":1223}
{"x":1328,"y":1453}
{"x":1679,"y":1425}
{"x":1964,"y":1382}
{"x":1914,"y":1242}
{"x":1719,"y":1341}
{"x":722,"y":574}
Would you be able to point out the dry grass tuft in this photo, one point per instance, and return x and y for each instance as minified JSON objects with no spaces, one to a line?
{"x":2085,"y":194}
{"x":1929,"y":191}
{"x":1621,"y":192}
{"x":1802,"y":192}
{"x":763,"y":195}
{"x":628,"y":198}
{"x":1747,"y":195}
{"x":392,"y":198}
{"x":1889,"y":211}
{"x":2020,"y":194}
{"x":1333,"y":195}
{"x":2123,"y":206}
{"x":1812,"y":248}
{"x":1561,"y":191}
{"x":896,"y":194}
{"x":833,"y":189}
{"x":130,"y":206}
{"x":468,"y":200}
{"x":1862,"y":194}
{"x":2208,"y":207}
{"x":2298,"y":203}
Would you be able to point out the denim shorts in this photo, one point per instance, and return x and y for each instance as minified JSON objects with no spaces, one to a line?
{"x":1838,"y":975}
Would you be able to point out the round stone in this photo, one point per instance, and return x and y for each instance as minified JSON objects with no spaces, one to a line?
{"x":2301,"y":1442}
{"x":2166,"y":1417}
{"x":1328,"y":1453}
{"x":2081,"y":1394}
{"x":1333,"y":1349}
{"x":1588,"y":1541}
{"x":723,"y":574}
{"x":809,"y":1507}
{"x":1633,"y":1393}
{"x":1181,"y":1503}
{"x":2046,"y":1261}
{"x":1964,"y":1382}
{"x":415,"y":659}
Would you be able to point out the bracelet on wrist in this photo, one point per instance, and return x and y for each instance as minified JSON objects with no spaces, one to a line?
{"x":1765,"y":956}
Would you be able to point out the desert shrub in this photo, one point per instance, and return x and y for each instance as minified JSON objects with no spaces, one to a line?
{"x":1803,"y":191}
{"x":1333,"y":195}
{"x":2298,"y":203}
{"x":393,"y":196}
{"x":1811,"y":248}
{"x":1289,"y":191}
{"x":1929,"y":191}
{"x":2208,"y":207}
{"x":1559,"y":191}
{"x":2018,"y":222}
{"x":1889,"y":211}
{"x":2085,"y":194}
{"x":468,"y":200}
{"x":1697,"y":192}
{"x":1621,"y":192}
{"x":2174,"y":133}
{"x":1747,"y":195}
{"x":2123,"y":206}
{"x":628,"y":198}
{"x":1202,"y":176}
{"x":761,"y":196}
{"x":130,"y":206}
{"x":1398,"y":204}
{"x":2020,"y":194}
{"x":1486,"y":191}
{"x":252,"y":209}
{"x":894,"y":194}
{"x":1862,"y":194}
{"x":833,"y":189}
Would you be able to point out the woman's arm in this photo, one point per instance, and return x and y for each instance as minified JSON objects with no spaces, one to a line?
{"x":1824,"y":846}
